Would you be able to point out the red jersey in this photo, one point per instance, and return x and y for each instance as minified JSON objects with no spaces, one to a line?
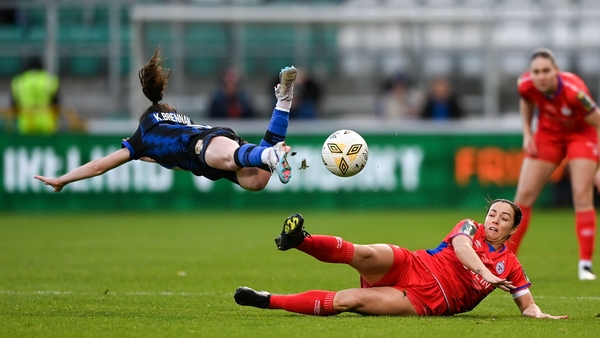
{"x":563,"y":112}
{"x":462,"y":288}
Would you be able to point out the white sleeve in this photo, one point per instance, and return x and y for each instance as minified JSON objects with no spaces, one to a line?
{"x":520,"y":293}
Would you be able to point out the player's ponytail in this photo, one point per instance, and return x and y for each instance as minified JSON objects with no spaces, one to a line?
{"x":154,"y":79}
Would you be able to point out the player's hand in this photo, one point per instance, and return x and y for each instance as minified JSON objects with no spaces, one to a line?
{"x":53,"y":182}
{"x":545,"y":315}
{"x":498,"y":282}
{"x":529,"y":145}
{"x":504,"y":285}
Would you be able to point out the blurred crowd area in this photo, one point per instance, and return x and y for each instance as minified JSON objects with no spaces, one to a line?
{"x":383,"y":59}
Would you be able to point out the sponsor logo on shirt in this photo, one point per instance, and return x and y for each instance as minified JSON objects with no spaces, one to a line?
{"x":479,"y":282}
{"x":566,"y":111}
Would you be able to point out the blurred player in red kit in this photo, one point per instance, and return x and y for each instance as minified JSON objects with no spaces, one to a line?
{"x":568,"y":123}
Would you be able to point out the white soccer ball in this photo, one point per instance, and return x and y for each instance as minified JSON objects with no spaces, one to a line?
{"x":345,"y":153}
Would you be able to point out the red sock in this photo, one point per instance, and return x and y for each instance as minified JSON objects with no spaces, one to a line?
{"x":585,"y":226}
{"x":514,"y":241}
{"x":329,"y":249}
{"x":314,"y":302}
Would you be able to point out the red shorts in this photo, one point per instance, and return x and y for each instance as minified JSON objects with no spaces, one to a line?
{"x":408,"y":274}
{"x":555,"y":147}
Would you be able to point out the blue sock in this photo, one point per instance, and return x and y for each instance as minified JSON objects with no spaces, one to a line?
{"x":277,"y":128}
{"x":249,"y":155}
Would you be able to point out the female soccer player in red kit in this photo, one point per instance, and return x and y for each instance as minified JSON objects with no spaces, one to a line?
{"x":568,"y":126}
{"x":470,"y":263}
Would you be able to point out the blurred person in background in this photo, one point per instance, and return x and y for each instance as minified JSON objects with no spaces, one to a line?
{"x":230,"y":100}
{"x":470,"y":263}
{"x":307,"y":98}
{"x":34,"y":100}
{"x":441,"y":103}
{"x":173,"y":140}
{"x":568,"y":123}
{"x":399,"y":101}
{"x":8,"y":16}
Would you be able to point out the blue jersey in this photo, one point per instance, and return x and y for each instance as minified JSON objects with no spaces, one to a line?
{"x":169,"y":139}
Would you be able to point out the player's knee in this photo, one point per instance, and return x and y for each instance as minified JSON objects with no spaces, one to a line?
{"x":255,"y":182}
{"x":255,"y":186}
{"x":346,"y":301}
{"x":525,"y":197}
{"x":584,"y":197}
{"x":371,"y":254}
{"x":363,"y":252}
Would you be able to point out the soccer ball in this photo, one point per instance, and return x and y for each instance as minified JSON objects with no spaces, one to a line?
{"x":345,"y":153}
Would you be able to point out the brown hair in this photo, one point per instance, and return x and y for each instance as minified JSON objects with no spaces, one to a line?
{"x":543,"y":53}
{"x":154,"y":79}
{"x":515,"y":207}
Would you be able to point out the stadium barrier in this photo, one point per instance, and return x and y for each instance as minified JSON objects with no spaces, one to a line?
{"x":403,"y":171}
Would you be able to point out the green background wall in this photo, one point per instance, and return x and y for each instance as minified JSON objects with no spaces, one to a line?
{"x":404,"y":171}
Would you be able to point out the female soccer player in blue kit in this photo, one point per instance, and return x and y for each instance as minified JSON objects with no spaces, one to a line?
{"x":173,"y":140}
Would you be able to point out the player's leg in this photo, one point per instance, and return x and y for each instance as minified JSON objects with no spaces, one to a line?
{"x":224,"y":153}
{"x":313,"y":302}
{"x":371,"y":261}
{"x":275,"y":157}
{"x":535,"y":172}
{"x":532,"y":178}
{"x":383,"y":301}
{"x":272,"y":149}
{"x":219,"y":153}
{"x":582,"y":176}
{"x":253,"y":179}
{"x":378,"y":301}
{"x":284,"y":92}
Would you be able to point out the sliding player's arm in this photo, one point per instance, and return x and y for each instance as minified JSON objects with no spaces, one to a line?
{"x":528,"y":307}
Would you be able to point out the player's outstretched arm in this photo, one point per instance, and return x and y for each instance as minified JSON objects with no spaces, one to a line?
{"x":530,"y":309}
{"x":90,"y":169}
{"x":463,"y":248}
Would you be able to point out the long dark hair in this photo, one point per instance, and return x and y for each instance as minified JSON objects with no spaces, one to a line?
{"x":514,"y":206}
{"x":154,"y":79}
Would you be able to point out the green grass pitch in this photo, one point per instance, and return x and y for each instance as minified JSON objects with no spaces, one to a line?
{"x":173,"y":275}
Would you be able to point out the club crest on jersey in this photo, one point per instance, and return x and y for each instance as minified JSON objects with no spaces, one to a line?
{"x":565,"y":111}
{"x":499,"y":268}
